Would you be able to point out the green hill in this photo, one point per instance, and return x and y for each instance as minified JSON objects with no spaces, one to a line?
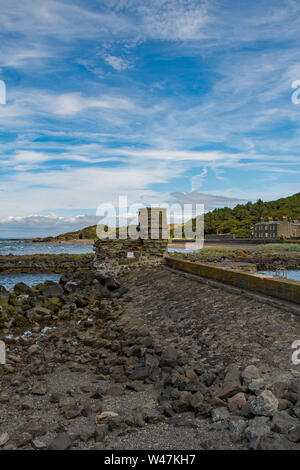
{"x":88,"y":233}
{"x":241,"y":218}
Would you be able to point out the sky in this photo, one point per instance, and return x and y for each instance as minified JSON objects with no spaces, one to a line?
{"x":158,"y":101}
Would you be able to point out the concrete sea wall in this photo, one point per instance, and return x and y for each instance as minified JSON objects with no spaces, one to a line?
{"x":280,"y":288}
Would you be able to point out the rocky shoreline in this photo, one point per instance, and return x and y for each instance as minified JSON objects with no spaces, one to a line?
{"x":151,"y":361}
{"x":268,"y":261}
{"x":62,"y":263}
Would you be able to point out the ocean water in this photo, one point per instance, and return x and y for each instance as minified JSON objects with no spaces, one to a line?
{"x":23,"y":247}
{"x":9,"y":280}
{"x":293,"y":274}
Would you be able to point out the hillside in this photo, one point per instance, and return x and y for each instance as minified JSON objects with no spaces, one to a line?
{"x":241,"y":218}
{"x":88,"y":233}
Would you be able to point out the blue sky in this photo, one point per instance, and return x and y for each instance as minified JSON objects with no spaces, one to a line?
{"x":144,"y":99}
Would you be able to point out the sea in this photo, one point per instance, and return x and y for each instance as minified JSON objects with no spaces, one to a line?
{"x":293,"y":274}
{"x":26,"y":247}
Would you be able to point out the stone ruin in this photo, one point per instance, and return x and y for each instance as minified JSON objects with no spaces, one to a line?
{"x":111,"y":255}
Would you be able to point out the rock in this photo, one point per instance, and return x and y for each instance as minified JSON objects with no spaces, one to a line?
{"x":39,"y":388}
{"x":294,"y":387}
{"x":105,"y":417}
{"x":101,"y":432}
{"x":183,"y":403}
{"x":274,"y":441}
{"x":294,"y":434}
{"x":191,"y":374}
{"x":61,"y":442}
{"x":38,"y":445}
{"x":236,"y":402}
{"x":52,"y":289}
{"x":283,"y":404}
{"x":23,"y":439}
{"x":203,"y":410}
{"x":250,"y":373}
{"x":256,"y":385}
{"x":137,"y":418}
{"x":283,"y":422}
{"x":257,"y":428}
{"x":36,"y":428}
{"x":152,"y":367}
{"x":233,"y":375}
{"x":219,"y":414}
{"x":296,"y":409}
{"x":42,"y":311}
{"x":196,"y":401}
{"x":229,"y":390}
{"x":135,"y":386}
{"x":4,"y":438}
{"x":117,"y":425}
{"x":237,"y":427}
{"x":154,"y":418}
{"x":265,"y":404}
{"x":169,"y":357}
{"x":22,"y":289}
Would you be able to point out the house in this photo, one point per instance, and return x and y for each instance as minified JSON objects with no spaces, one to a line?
{"x":284,"y":228}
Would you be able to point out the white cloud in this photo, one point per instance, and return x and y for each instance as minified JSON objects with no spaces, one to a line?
{"x":117,"y":63}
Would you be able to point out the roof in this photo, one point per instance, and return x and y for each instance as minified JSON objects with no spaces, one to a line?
{"x":270,"y":222}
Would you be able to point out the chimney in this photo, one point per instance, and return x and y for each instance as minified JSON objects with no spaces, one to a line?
{"x":271,"y":219}
{"x":284,"y":218}
{"x":262,"y":219}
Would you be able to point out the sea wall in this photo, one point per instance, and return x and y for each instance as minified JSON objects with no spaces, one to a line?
{"x":283,"y":289}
